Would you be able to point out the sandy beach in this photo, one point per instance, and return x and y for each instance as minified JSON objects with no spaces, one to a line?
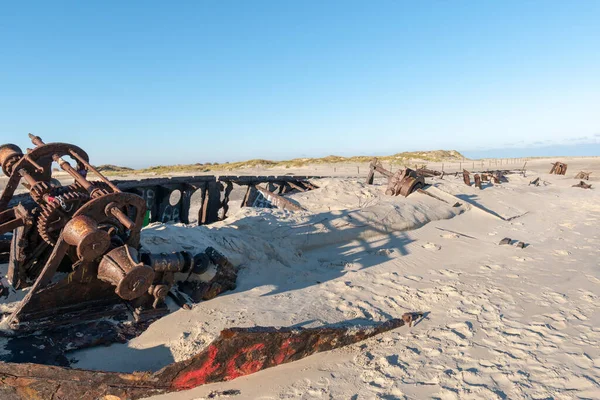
{"x":502,"y":322}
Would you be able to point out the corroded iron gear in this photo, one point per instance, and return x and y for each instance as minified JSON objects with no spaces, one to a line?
{"x":101,"y":189}
{"x":55,"y":214}
{"x":40,"y":189}
{"x":10,"y":154}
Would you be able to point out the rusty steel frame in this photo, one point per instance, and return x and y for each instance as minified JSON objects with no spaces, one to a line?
{"x":214,"y":206}
{"x":265,"y":196}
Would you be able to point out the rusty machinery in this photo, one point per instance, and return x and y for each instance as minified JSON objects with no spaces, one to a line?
{"x":403,"y":182}
{"x":77,"y":249}
{"x":558,"y":168}
{"x":78,"y":246}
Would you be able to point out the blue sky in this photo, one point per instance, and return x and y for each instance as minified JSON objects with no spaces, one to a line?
{"x":146,"y":83}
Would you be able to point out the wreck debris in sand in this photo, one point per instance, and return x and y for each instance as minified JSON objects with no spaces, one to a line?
{"x":583,"y":185}
{"x":583,"y":175}
{"x":403,"y":182}
{"x":77,"y":248}
{"x":558,"y":168}
{"x":236,"y":352}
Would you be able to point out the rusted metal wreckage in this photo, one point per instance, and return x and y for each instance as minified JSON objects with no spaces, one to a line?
{"x":583,"y":185}
{"x":88,"y":234}
{"x":76,"y":248}
{"x":558,"y":168}
{"x":583,"y":175}
{"x":496,"y":177}
{"x":403,"y":182}
{"x":407,"y":181}
{"x":236,"y":352}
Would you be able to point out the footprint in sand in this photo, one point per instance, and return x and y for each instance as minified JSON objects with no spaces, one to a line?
{"x":557,"y":298}
{"x":449,"y":272}
{"x":593,"y":279}
{"x":568,"y":225}
{"x":562,"y":252}
{"x":493,"y":267}
{"x":415,"y":278}
{"x":431,"y":246}
{"x":450,"y":236}
{"x":588,"y":296}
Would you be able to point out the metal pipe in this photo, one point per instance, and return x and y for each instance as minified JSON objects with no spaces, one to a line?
{"x":123,"y":219}
{"x":94,"y":170}
{"x":30,"y":179}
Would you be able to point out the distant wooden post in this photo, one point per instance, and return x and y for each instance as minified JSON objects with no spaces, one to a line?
{"x":358,"y":169}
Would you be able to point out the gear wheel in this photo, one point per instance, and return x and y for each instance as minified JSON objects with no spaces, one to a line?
{"x":39,"y":190}
{"x":102,"y":189}
{"x":55,"y":215}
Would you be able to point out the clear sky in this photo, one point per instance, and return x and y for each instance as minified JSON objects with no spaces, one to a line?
{"x":142,"y":83}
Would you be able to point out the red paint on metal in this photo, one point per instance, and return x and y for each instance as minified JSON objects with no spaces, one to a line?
{"x":250,"y":366}
{"x":198,"y":377}
{"x":284,"y":351}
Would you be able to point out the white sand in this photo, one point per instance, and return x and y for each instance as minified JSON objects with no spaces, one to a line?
{"x":504,"y":322}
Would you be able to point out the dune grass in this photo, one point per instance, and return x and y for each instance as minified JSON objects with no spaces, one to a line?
{"x":404,"y":158}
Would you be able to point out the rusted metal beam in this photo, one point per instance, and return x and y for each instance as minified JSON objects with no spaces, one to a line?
{"x":477,"y":179}
{"x":5,"y":249}
{"x":278,"y":201}
{"x":466,"y":177}
{"x":297,"y":185}
{"x":211,"y":205}
{"x":376,"y":166}
{"x":309,"y":185}
{"x":236,"y":352}
{"x":428,"y":173}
